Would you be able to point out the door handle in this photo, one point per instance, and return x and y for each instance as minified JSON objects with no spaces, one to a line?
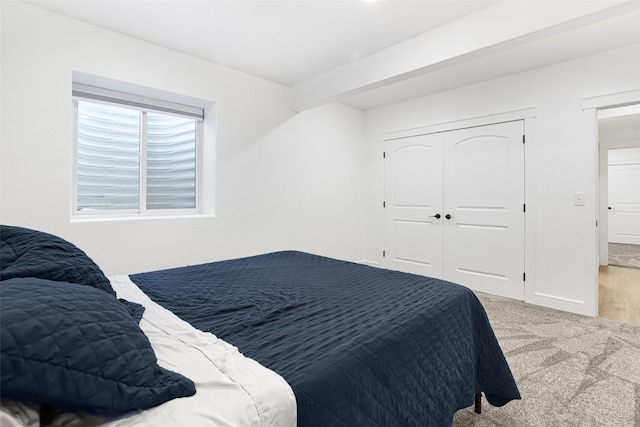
{"x":436,"y":216}
{"x":448,"y":216}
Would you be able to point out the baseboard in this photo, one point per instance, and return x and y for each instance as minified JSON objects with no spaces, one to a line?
{"x":369,"y":262}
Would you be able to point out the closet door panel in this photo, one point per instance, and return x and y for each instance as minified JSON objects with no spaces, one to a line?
{"x":484,"y":196}
{"x":413,"y":197}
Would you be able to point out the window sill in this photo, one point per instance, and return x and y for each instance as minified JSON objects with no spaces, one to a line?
{"x":114,"y":218}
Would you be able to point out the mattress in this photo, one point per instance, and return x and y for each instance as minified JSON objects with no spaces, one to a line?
{"x":359,"y":346}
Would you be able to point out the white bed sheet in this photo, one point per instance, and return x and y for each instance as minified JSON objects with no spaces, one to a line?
{"x":231,"y":389}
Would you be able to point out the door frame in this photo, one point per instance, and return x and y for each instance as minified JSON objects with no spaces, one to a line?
{"x":590,"y":108}
{"x":528,"y":116}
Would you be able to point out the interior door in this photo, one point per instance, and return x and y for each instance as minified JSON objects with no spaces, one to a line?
{"x":413,"y":192}
{"x":484,"y":208}
{"x":624,"y":204}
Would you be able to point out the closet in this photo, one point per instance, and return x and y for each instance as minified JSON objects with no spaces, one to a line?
{"x":455,"y":207}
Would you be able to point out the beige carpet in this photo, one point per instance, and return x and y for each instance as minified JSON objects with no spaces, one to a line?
{"x":571,"y":370}
{"x":624,"y":255}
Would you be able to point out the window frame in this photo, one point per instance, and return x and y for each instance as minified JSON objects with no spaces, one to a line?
{"x":142,"y":211}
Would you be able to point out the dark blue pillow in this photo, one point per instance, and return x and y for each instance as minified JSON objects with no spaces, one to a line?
{"x":78,"y":348}
{"x":135,"y":310}
{"x":30,"y":253}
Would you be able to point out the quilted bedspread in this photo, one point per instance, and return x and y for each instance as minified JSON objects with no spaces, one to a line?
{"x":359,"y":345}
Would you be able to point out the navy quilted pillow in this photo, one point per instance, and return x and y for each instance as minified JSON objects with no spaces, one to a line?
{"x":75,"y":347}
{"x":30,"y":253}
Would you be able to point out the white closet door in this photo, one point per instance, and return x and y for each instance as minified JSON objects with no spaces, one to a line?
{"x":413,"y":191}
{"x":624,"y":204}
{"x":484,"y":195}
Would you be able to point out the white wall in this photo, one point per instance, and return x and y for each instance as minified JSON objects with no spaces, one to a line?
{"x":283,"y":181}
{"x":560,"y":160}
{"x":624,"y":156}
{"x":311,"y":181}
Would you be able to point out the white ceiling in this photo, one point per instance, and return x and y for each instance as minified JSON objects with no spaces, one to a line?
{"x":283,"y":41}
{"x":326,"y":49}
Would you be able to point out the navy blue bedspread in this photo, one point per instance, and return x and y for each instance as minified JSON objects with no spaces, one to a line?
{"x":359,"y":345}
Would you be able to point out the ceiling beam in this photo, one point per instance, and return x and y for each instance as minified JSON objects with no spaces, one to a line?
{"x":499,"y":26}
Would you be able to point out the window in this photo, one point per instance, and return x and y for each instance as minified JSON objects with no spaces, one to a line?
{"x":134,"y":155}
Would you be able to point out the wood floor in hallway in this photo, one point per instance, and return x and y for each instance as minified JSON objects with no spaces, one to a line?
{"x":619,"y":294}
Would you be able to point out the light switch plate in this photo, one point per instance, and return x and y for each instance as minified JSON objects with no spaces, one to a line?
{"x":578,"y":199}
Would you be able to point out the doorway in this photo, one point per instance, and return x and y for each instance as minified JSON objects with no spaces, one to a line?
{"x":619,"y":270}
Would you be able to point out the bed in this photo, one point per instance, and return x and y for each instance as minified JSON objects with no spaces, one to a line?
{"x":278,"y":339}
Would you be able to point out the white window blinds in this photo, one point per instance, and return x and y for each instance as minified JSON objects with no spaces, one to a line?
{"x":84,"y":91}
